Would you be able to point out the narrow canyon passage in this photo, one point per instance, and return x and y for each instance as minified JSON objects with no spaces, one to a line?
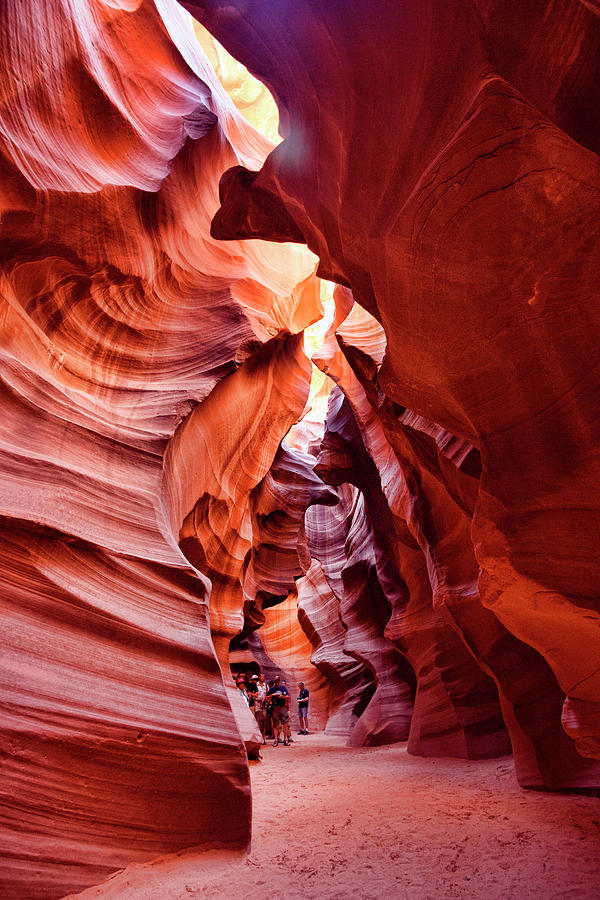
{"x":333,"y":822}
{"x":300,"y":381}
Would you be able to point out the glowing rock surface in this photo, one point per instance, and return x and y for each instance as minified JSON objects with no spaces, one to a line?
{"x":461,"y":208}
{"x":151,"y":364}
{"x":119,"y":316}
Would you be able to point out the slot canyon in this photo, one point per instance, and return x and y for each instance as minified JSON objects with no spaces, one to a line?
{"x":300,"y":375}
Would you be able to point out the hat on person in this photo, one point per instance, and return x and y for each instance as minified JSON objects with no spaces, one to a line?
{"x":254,"y":678}
{"x":240,"y":679}
{"x":277,"y":678}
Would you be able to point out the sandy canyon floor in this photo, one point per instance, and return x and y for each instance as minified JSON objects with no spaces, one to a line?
{"x":332,"y":822}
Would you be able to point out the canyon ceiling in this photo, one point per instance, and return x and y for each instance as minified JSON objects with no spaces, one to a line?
{"x":404,"y":511}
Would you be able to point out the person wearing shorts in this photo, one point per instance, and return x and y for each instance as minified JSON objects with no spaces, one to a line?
{"x":303,"y":695}
{"x":277,"y":693}
{"x":285,"y":717}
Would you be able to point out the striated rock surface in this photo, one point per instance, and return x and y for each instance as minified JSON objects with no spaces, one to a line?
{"x":106,"y":661}
{"x":119,"y":315}
{"x":340,"y":538}
{"x":278,"y":505}
{"x":351,"y":682}
{"x":456,"y":712}
{"x":442,"y":161}
{"x":428,"y":479}
{"x":464,"y":218}
{"x":221,"y":452}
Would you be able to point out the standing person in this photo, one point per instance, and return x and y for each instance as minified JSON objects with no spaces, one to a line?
{"x":260,"y":707}
{"x":277,"y":693}
{"x":251,"y":688}
{"x":241,"y":683}
{"x":269,"y":711}
{"x":303,"y":696}
{"x":285,"y":716}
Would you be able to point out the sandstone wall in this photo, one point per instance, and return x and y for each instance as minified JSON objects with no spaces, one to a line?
{"x":461,"y":209}
{"x":119,"y":315}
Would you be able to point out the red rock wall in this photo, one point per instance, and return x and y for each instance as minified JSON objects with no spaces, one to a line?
{"x":429,"y":480}
{"x":461,"y":208}
{"x":148,"y":372}
{"x":221,"y":455}
{"x":216,"y":459}
{"x":340,"y":538}
{"x":278,"y":505}
{"x":456,"y":712}
{"x":351,"y":681}
{"x":119,"y":315}
{"x":106,"y":661}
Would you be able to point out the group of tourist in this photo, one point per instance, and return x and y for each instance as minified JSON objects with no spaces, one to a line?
{"x":270,"y":703}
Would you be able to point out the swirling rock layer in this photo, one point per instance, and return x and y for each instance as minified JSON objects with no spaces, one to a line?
{"x":351,"y":681}
{"x":456,"y":706}
{"x":442,"y":161}
{"x":119,"y":315}
{"x":464,"y":217}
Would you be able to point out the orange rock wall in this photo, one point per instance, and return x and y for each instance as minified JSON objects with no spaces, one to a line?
{"x":119,"y":315}
{"x":461,"y":208}
{"x":442,"y":162}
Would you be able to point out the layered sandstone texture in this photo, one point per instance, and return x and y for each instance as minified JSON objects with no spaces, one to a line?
{"x":421,"y":524}
{"x":426,"y":560}
{"x":442,"y":161}
{"x":119,"y":316}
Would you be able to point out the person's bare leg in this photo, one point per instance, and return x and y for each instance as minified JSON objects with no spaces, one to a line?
{"x":260,"y":721}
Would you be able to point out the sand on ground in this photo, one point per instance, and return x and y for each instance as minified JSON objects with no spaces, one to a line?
{"x":333,"y":822}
